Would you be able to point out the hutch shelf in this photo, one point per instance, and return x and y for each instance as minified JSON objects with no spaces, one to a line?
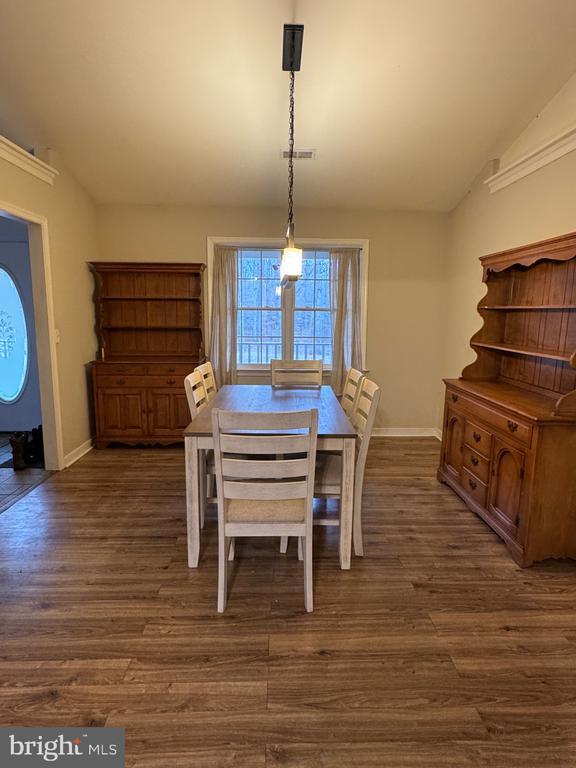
{"x":509,"y":439}
{"x":149,"y":325}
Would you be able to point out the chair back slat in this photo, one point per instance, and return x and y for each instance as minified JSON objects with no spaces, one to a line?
{"x":259,"y":491}
{"x":351,"y":390}
{"x":207,"y":372}
{"x":264,"y":444}
{"x":234,"y":468}
{"x":296,"y":373}
{"x":195,"y":393}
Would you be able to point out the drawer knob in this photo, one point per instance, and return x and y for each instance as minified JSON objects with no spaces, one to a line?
{"x":512,"y":426}
{"x":171,"y":381}
{"x":171,"y":370}
{"x":472,"y":484}
{"x":477,"y":437}
{"x":454,"y":398}
{"x":120,"y":381}
{"x":474,"y":460}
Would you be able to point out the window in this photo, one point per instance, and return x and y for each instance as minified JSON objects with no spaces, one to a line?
{"x":267,"y":314}
{"x":13,"y":340}
{"x":259,"y":307}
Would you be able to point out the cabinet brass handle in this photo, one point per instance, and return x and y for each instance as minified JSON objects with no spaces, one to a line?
{"x":477,"y":437}
{"x":171,"y":381}
{"x":454,"y":398}
{"x":474,"y":461}
{"x":120,"y":381}
{"x":512,"y":426}
{"x":472,"y":484}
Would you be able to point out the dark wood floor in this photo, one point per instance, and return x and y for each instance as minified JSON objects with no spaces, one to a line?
{"x":434,"y":650}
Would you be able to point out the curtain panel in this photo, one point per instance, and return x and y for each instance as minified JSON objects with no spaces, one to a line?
{"x":224,"y":315}
{"x":346,"y":314}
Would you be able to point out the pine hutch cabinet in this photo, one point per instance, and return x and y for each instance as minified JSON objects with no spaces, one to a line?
{"x":509,"y":440}
{"x":149,"y":324}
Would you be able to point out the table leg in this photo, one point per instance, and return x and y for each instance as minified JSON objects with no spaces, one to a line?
{"x":192,"y":499}
{"x":347,"y":503}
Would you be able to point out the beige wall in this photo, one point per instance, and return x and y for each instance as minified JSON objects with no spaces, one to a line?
{"x":405,"y":292}
{"x":71,"y":225}
{"x":538,"y":206}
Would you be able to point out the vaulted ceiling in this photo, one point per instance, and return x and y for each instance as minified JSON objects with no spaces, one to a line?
{"x":184,"y":101}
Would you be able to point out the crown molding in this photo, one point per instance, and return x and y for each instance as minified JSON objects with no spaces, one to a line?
{"x":17,"y":156}
{"x":546,"y":153}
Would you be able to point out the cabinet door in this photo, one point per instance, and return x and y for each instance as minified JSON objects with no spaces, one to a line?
{"x":506,"y":485}
{"x":121,"y":412}
{"x":453,"y":443}
{"x":168,"y":412}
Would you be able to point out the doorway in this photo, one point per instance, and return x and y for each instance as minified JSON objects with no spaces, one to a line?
{"x":41,"y":325}
{"x":21,"y":445}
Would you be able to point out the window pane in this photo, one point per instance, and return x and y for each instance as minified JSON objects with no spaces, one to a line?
{"x":250,"y":264}
{"x":322,"y":267}
{"x":308,"y":267}
{"x":323,"y":326}
{"x":270,"y":293}
{"x":322,"y":294}
{"x":249,"y":323}
{"x":304,"y":296}
{"x":272,"y":324}
{"x":13,"y":340}
{"x":250,"y":293}
{"x":271,"y":265}
{"x":303,"y":324}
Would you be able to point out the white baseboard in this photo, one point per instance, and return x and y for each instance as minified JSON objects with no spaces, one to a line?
{"x":77,"y":453}
{"x":407,"y":432}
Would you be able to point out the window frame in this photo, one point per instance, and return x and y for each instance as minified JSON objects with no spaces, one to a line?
{"x":315,"y":244}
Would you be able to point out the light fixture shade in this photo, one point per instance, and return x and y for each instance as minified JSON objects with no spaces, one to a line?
{"x":291,"y":264}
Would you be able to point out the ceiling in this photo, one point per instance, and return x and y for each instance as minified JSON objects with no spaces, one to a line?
{"x":184,"y":101}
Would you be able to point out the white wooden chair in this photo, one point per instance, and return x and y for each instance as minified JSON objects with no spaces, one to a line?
{"x":195,"y":392}
{"x":351,"y":390}
{"x":197,"y":401}
{"x":329,"y":464}
{"x":296,"y":373}
{"x":268,"y":496}
{"x":207,"y":372}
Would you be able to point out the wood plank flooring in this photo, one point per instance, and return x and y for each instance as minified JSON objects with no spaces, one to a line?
{"x":434,"y":650}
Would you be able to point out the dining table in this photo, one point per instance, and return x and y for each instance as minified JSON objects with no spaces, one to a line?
{"x":335,"y":434}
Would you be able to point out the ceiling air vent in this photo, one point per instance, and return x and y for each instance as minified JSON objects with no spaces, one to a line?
{"x":301,"y":154}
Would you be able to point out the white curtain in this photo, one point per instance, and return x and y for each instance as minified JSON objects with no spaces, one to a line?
{"x":346,"y":314}
{"x":224,"y":314}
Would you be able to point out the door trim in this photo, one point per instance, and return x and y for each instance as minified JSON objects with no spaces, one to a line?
{"x":39,"y":250}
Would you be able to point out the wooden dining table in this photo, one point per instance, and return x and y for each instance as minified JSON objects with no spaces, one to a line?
{"x":335,"y":433}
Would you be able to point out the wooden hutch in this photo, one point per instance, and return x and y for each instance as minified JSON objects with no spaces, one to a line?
{"x":149,"y":325}
{"x":509,"y":441}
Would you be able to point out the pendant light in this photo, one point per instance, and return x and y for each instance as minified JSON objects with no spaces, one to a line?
{"x":291,"y":264}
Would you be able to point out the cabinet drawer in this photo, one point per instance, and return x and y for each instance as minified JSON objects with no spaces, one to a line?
{"x":476,"y":464}
{"x":129,"y":369}
{"x":478,"y":438}
{"x":508,"y":425}
{"x":170,"y":369}
{"x":170,"y":380}
{"x":474,"y":487}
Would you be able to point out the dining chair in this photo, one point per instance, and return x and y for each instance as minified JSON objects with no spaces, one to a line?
{"x":351,"y":390}
{"x":328,"y":481}
{"x":195,"y":392}
{"x":265,"y":482}
{"x":296,"y":373}
{"x":197,"y":401}
{"x":207,"y":372}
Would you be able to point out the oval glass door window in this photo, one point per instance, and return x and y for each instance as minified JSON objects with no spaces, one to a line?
{"x":13,"y":340}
